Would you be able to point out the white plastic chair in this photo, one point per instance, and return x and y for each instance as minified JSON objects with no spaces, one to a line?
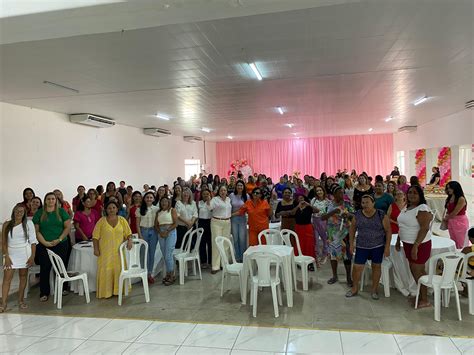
{"x":182,"y":248}
{"x":265,"y":276}
{"x":132,"y":267}
{"x":188,"y":254}
{"x":62,"y":276}
{"x":468,"y":282}
{"x":302,"y":260}
{"x":452,"y":262}
{"x":272,"y":237}
{"x":234,"y":268}
{"x":386,"y":266}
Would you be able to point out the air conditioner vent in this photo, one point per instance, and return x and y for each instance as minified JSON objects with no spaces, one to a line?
{"x":91,"y":120}
{"x":156,"y":132}
{"x":407,"y":129}
{"x":192,"y":139}
{"x":469,"y":105}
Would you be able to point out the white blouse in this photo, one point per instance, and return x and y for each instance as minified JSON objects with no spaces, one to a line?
{"x":408,"y":224}
{"x":186,"y":211}
{"x":204,"y":211}
{"x":221,"y":208}
{"x":17,"y":238}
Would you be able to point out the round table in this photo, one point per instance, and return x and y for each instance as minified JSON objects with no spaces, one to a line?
{"x":402,"y":277}
{"x":83,"y":260}
{"x":436,"y":203}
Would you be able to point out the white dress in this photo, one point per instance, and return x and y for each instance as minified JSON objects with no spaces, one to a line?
{"x":19,"y":245}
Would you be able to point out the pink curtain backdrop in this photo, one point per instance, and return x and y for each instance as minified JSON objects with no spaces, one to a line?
{"x":312,"y":156}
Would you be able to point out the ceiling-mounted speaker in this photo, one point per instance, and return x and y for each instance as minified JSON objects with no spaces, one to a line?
{"x":469,"y":105}
{"x":408,"y":129}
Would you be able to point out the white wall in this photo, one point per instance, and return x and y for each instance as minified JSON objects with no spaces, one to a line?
{"x":44,"y":151}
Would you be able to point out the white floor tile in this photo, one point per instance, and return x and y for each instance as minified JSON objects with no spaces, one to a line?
{"x":10,"y":321}
{"x":101,"y":347}
{"x":139,"y":349}
{"x":166,"y":333}
{"x":262,"y":339}
{"x":248,"y":352}
{"x":15,"y":343}
{"x":421,"y":345}
{"x":53,"y":346}
{"x":368,"y":343}
{"x":314,"y":342}
{"x":81,"y":328}
{"x":213,"y":336}
{"x":192,"y":350}
{"x":122,"y":330}
{"x":41,"y":326}
{"x":465,"y":345}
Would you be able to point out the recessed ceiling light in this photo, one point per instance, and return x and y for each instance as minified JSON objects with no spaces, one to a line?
{"x":388,"y":119}
{"x":205,"y":129}
{"x":371,"y":129}
{"x":280,"y":110}
{"x":230,"y":137}
{"x":255,"y":70}
{"x":289,"y":125}
{"x":162,"y":117}
{"x":420,"y":100}
{"x":294,"y":133}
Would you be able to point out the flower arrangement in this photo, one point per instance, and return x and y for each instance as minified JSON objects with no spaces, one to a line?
{"x":420,"y":165}
{"x":242,"y":165}
{"x":444,"y":164}
{"x":296,"y":174}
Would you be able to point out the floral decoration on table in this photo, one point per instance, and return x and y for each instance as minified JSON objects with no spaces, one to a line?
{"x":420,"y":165}
{"x":444,"y":164}
{"x":241,"y":165}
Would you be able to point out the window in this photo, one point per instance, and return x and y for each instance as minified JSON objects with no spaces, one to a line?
{"x":401,"y":161}
{"x":465,"y":161}
{"x":191,"y":167}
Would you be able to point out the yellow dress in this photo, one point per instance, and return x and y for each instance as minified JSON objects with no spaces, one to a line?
{"x":108,"y":263}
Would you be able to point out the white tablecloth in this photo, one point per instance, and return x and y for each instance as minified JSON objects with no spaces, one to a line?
{"x":402,"y":277}
{"x":275,"y":225}
{"x":288,"y":267}
{"x":436,"y":203}
{"x":83,"y":260}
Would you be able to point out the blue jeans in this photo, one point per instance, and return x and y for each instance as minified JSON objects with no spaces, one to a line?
{"x":239,"y":233}
{"x":151,"y":237}
{"x":167,"y":246}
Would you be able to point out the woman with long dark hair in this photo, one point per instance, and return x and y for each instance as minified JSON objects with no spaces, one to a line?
{"x":284,"y":210}
{"x":96,"y":202}
{"x":363,"y":188}
{"x":132,"y":212}
{"x":18,"y":249}
{"x":435,"y":177}
{"x":85,"y":219}
{"x":35,"y":205}
{"x":111,"y":191}
{"x":62,"y":203}
{"x":28,"y":195}
{"x":455,"y":215}
{"x":81,"y":192}
{"x":239,"y":223}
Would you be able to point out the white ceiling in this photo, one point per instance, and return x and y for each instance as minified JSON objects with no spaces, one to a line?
{"x":336,"y":69}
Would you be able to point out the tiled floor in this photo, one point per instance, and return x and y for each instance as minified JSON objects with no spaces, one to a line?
{"x":32,"y":334}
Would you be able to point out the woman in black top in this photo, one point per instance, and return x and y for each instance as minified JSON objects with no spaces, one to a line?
{"x":435,"y":177}
{"x":362,"y":188}
{"x":285,"y":208}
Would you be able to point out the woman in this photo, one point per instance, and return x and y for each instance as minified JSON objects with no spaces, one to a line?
{"x":348,"y":188}
{"x":177,"y":196}
{"x":85,"y":219}
{"x":128,"y":197}
{"x":204,"y":222}
{"x":394,"y":210}
{"x":81,"y":192}
{"x":300,"y":189}
{"x":284,"y":210}
{"x":258,"y":211}
{"x":28,"y":195}
{"x":382,"y":199}
{"x":231,"y":186}
{"x":215,"y":184}
{"x":35,"y":205}
{"x":250,"y":184}
{"x":239,"y":223}
{"x":414,"y":180}
{"x":374,"y":236}
{"x":132,"y":212}
{"x":455,"y":215}
{"x":362,"y":188}
{"x":18,"y":249}
{"x":100,"y":192}
{"x":96,"y":203}
{"x":145,"y":221}
{"x":435,"y":177}
{"x":303,"y":226}
{"x":109,"y":234}
{"x":395,"y":172}
{"x":391,"y":188}
{"x":52,"y":225}
{"x":159,"y":195}
{"x":187,"y":215}
{"x":321,"y":202}
{"x":111,"y":191}
{"x":414,"y":231}
{"x":402,"y":184}
{"x":221,"y":209}
{"x":166,"y":221}
{"x":62,"y":203}
{"x":338,"y":217}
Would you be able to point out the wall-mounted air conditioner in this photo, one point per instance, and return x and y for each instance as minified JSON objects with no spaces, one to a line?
{"x":407,"y":129}
{"x":91,"y":120}
{"x":156,"y":132}
{"x":192,"y":139}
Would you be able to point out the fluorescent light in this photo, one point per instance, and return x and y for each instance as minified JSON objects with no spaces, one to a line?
{"x":289,"y":125}
{"x":60,"y":86}
{"x":255,"y":70}
{"x":205,"y":129}
{"x":388,"y":119}
{"x":230,"y":137}
{"x":371,"y":129}
{"x":420,"y":100}
{"x":280,"y":110}
{"x":162,"y":117}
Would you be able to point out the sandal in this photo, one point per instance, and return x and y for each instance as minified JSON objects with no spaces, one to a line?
{"x":350,"y":294}
{"x":3,"y":308}
{"x":375,"y":296}
{"x":332,"y":280}
{"x":22,"y":305}
{"x":43,"y":298}
{"x":170,"y":281}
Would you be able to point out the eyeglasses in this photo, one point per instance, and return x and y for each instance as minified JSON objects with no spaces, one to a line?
{"x":256,"y":193}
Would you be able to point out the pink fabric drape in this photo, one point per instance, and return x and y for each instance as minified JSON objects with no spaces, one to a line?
{"x":312,"y":156}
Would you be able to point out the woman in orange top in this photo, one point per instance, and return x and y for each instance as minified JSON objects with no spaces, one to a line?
{"x":250,"y":184}
{"x":258,"y":211}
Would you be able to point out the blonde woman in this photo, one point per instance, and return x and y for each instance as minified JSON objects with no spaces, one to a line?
{"x":187,"y":214}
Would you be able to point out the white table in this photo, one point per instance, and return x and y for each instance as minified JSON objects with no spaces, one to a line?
{"x":83,"y":260}
{"x":288,"y":267}
{"x":402,"y":277}
{"x":436,"y":203}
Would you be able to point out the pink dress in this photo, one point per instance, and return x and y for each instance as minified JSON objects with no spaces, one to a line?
{"x":458,"y":226}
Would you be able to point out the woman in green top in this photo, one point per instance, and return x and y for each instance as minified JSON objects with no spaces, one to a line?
{"x":52,"y":225}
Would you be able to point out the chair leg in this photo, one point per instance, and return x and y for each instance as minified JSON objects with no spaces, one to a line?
{"x":145,"y":288}
{"x":437,"y":304}
{"x":255,"y":296}
{"x":121,"y":282}
{"x":446,"y":297}
{"x":182,"y":266}
{"x":60,"y":293}
{"x":458,"y":305}
{"x":55,"y":288}
{"x":222,"y":282}
{"x":86,"y":289}
{"x":280,"y":301}
{"x":304,"y":276}
{"x":386,"y":281}
{"x":275,"y":300}
{"x":199,"y":268}
{"x":194,"y":267}
{"x":126,"y":285}
{"x":417,"y":295}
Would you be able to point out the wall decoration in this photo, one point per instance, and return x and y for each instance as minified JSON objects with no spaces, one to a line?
{"x":444,"y":165}
{"x":420,"y":165}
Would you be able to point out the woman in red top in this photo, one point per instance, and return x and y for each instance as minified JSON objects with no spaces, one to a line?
{"x":259,"y":212}
{"x":455,"y":215}
{"x":96,"y":203}
{"x":395,"y":208}
{"x":62,"y":203}
{"x":81,"y":192}
{"x":132,"y":218}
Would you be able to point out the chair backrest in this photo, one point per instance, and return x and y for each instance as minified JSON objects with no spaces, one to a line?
{"x":452,"y":267}
{"x":465,"y":266}
{"x":264,"y":260}
{"x":186,"y":243}
{"x":272,"y":237}
{"x":220,"y":242}
{"x":58,"y":264}
{"x":286,"y":235}
{"x":198,"y":232}
{"x":131,"y":260}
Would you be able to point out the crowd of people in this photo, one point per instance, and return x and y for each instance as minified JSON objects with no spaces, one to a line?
{"x":348,"y":218}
